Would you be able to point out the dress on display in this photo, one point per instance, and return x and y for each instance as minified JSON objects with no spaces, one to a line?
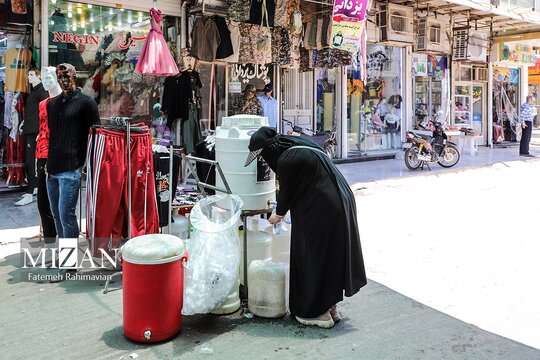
{"x":155,"y":56}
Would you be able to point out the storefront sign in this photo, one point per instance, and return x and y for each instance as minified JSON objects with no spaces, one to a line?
{"x":235,"y":87}
{"x":518,"y":53}
{"x":75,"y":38}
{"x":347,"y":23}
{"x":506,"y":74}
{"x":436,"y":66}
{"x":246,"y":72}
{"x":81,"y":39}
{"x":534,"y":74}
{"x":420,"y":63}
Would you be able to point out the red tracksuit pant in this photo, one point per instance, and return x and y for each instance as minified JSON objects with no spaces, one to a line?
{"x":107,"y":189}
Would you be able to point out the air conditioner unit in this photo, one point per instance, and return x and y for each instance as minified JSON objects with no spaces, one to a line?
{"x":372,"y":30}
{"x":470,"y":45}
{"x":396,"y":24}
{"x":431,"y":36}
{"x":480,"y":73}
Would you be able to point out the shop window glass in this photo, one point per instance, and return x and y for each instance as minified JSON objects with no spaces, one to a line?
{"x":326,"y":100}
{"x":104,"y":43}
{"x":17,"y":59}
{"x":374,"y":108}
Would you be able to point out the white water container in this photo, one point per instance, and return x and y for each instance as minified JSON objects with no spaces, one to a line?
{"x":180,"y":226}
{"x":268,"y":288}
{"x":231,"y":303}
{"x":259,"y":247}
{"x":254,"y":184}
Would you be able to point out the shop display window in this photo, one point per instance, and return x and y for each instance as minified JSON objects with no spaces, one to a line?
{"x":326,"y":100}
{"x":374,"y":108}
{"x":104,"y":44}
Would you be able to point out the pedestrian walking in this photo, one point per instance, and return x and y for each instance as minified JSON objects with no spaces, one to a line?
{"x":326,"y":255}
{"x":526,"y":117}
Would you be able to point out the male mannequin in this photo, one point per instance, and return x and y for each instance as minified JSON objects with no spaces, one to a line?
{"x":50,"y":84}
{"x":71,"y":115}
{"x":30,"y":128}
{"x":269,"y":105}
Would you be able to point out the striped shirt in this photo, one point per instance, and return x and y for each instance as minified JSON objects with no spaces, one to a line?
{"x":526,"y":113}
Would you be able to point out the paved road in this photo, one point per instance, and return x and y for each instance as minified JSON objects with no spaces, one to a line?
{"x":470,"y":256}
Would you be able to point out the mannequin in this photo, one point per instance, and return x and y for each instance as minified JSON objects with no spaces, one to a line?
{"x":30,"y":128}
{"x":71,"y":114}
{"x":51,"y":85}
{"x":382,"y":108}
{"x":392,"y":123}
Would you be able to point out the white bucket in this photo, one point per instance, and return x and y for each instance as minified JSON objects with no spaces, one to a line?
{"x":254,"y":184}
{"x":268,"y":288}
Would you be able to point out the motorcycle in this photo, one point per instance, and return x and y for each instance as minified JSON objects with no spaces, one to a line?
{"x":325,"y":139}
{"x":421,"y":149}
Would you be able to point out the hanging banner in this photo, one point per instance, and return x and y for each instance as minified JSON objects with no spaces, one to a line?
{"x":534,"y":74}
{"x":347,"y":23}
{"x":420,"y":63}
{"x":436,"y":66}
{"x":518,"y":53}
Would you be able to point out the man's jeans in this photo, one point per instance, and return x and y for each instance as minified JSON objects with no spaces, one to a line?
{"x":63,"y":190}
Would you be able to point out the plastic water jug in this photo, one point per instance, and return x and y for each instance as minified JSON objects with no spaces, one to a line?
{"x":259,"y":246}
{"x":180,"y":226}
{"x":231,"y":303}
{"x":268,"y":288}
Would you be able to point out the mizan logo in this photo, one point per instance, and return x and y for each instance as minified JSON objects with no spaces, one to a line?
{"x":67,"y":257}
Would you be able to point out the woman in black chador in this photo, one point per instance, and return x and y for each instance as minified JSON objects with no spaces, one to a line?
{"x":326,"y":256}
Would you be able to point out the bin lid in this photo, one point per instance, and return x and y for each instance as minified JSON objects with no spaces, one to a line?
{"x":244,"y":121}
{"x":153,"y":249}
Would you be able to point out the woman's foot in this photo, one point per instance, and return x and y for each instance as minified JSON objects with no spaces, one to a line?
{"x":335,"y":314}
{"x":324,"y":321}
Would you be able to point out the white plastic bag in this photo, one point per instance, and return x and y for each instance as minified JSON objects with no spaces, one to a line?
{"x":214,"y":253}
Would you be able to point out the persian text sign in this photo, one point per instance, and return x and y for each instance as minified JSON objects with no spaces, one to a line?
{"x":347,"y":22}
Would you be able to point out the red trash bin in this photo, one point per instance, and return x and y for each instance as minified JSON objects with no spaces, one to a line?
{"x":153,"y":287}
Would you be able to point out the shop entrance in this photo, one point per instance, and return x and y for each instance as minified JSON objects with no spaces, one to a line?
{"x":297,"y":99}
{"x":505,"y":105}
{"x":479,"y":115}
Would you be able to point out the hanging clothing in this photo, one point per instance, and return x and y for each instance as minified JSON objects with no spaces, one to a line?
{"x":163,"y":184}
{"x":225,"y":47}
{"x":256,"y":15}
{"x":326,"y":261}
{"x":19,"y":12}
{"x":238,"y":10}
{"x":205,"y":39}
{"x":234,"y":31}
{"x":191,"y":130}
{"x":156,"y":58}
{"x":178,"y":92}
{"x":17,"y":62}
{"x":106,"y":188}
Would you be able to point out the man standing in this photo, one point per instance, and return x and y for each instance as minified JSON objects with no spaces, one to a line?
{"x":269,"y":105}
{"x":70,"y":114}
{"x":526,"y":115}
{"x":248,"y":103}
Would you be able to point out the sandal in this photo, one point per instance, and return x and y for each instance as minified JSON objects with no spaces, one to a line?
{"x":325,"y":324}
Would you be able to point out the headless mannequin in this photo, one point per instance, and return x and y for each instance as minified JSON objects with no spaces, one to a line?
{"x":30,"y":133}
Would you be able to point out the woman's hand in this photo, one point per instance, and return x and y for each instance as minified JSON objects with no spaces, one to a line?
{"x":275,"y":218}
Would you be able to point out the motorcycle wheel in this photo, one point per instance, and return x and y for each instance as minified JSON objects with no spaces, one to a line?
{"x":450,"y":157}
{"x":411,"y":158}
